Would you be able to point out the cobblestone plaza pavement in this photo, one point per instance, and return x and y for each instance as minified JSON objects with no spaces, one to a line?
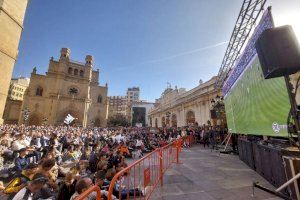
{"x":204,"y":175}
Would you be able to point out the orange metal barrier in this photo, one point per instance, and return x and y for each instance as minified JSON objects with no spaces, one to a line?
{"x":86,"y":193}
{"x":189,"y":140}
{"x":139,"y":180}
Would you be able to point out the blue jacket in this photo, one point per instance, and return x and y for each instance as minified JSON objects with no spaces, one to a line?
{"x":21,"y":163}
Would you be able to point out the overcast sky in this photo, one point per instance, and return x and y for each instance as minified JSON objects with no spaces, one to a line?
{"x":144,"y":43}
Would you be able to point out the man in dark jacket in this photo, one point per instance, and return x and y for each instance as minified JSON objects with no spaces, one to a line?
{"x":22,"y":161}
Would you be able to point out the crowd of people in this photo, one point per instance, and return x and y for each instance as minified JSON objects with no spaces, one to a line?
{"x":48,"y":162}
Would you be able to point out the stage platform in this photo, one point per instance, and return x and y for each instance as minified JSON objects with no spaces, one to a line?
{"x":204,"y":175}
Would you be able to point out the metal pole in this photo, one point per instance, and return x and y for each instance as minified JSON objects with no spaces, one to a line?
{"x":288,"y":182}
{"x":161,"y":165}
{"x":230,"y":134}
{"x":293,"y":104}
{"x":178,"y":143}
{"x":257,"y":185}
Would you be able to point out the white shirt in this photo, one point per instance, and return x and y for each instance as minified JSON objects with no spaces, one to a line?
{"x":119,"y":138}
{"x":17,"y":145}
{"x":21,"y":193}
{"x":139,"y":143}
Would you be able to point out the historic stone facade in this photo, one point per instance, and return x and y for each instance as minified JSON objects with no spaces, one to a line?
{"x":17,"y":88}
{"x":178,"y":107}
{"x":12,"y":111}
{"x":12,"y":14}
{"x":69,"y":87}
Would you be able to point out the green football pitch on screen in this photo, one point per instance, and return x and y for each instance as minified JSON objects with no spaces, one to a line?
{"x":257,"y":106}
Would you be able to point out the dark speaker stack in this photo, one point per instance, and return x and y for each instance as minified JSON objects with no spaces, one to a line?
{"x":257,"y":157}
{"x":278,"y":51}
{"x":278,"y":176}
{"x":245,"y":152}
{"x":267,"y":160}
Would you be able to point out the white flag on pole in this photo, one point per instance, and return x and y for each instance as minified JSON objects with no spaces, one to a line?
{"x":69,"y":118}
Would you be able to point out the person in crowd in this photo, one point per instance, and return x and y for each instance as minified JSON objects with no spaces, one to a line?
{"x":212,"y":137}
{"x":6,"y":153}
{"x":66,"y":155}
{"x":50,"y":170}
{"x":20,"y":180}
{"x":122,"y":192}
{"x":82,"y":185}
{"x":67,"y":187}
{"x":20,"y":142}
{"x":21,"y":161}
{"x":99,"y":181}
{"x":32,"y":187}
{"x":205,"y":137}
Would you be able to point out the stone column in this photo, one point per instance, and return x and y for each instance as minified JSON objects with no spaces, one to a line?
{"x":159,"y":122}
{"x":198,"y":111}
{"x":12,"y":14}
{"x":87,"y":105}
{"x":181,"y":121}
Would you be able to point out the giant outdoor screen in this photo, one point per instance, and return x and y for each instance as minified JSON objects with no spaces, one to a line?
{"x":253,"y":104}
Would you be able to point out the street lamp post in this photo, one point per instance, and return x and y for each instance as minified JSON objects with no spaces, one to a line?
{"x":25,"y":113}
{"x":45,"y":120}
{"x":168,"y":118}
{"x":92,"y":123}
{"x":219,"y":108}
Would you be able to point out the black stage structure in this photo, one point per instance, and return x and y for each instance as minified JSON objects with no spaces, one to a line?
{"x":249,"y":13}
{"x":272,"y":159}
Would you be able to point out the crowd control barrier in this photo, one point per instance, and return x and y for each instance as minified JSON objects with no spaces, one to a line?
{"x":86,"y":193}
{"x":189,"y":140}
{"x":139,"y":180}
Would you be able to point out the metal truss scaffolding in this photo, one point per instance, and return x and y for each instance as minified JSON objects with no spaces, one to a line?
{"x":249,"y":13}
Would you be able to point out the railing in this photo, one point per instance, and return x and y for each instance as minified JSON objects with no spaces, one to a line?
{"x":188,"y":140}
{"x":86,"y":193}
{"x":139,"y":180}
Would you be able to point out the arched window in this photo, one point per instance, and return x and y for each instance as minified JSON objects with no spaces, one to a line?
{"x":174,"y":120}
{"x":70,"y":70}
{"x":190,"y":117}
{"x":81,"y":73}
{"x":163,"y":122}
{"x":39,"y":91}
{"x":99,"y":100}
{"x":75,"y":72}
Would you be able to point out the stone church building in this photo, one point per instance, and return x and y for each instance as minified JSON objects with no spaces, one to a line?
{"x":69,"y":87}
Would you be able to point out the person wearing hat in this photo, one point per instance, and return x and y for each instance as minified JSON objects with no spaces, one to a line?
{"x":32,"y":187}
{"x":20,"y":180}
{"x":22,"y":161}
